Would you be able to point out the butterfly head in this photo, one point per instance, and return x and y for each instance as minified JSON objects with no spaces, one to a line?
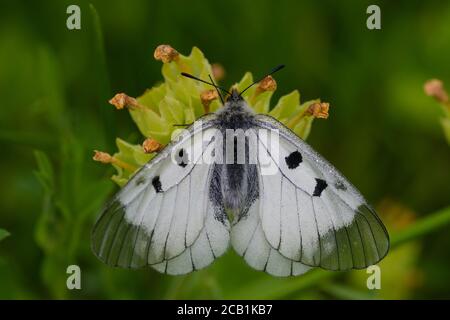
{"x":234,"y":96}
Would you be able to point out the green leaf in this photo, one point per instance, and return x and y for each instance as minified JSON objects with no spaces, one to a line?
{"x":215,"y":105}
{"x":189,"y":115}
{"x":195,"y":63}
{"x":303,"y":128}
{"x":132,"y":153}
{"x":119,"y":180}
{"x":153,"y":96}
{"x":200,"y":64}
{"x":246,"y":80}
{"x":133,"y":156}
{"x":184,"y":89}
{"x":45,"y":172}
{"x":197,"y":106}
{"x":4,"y":234}
{"x":299,"y":122}
{"x":262,"y":102}
{"x":151,"y":124}
{"x":172,"y":110}
{"x":286,"y":106}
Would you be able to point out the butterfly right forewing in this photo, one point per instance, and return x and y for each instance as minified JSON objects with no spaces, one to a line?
{"x":309,"y":213}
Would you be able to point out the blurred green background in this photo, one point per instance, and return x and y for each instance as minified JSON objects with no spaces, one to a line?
{"x":383,"y":132}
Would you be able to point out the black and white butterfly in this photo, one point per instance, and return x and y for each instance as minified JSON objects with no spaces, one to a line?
{"x":179,"y":213}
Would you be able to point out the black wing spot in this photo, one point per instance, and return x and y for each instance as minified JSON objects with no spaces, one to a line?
{"x":157,"y":184}
{"x":294,"y":160}
{"x":320,"y":186}
{"x":182,"y":158}
{"x":340,"y":186}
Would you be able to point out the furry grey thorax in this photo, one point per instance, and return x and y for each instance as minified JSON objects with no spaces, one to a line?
{"x":234,"y":187}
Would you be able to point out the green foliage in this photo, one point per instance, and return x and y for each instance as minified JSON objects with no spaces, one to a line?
{"x":66,"y":205}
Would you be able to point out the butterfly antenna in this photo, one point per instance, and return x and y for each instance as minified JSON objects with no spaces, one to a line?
{"x":187,"y":75}
{"x":217,"y":89}
{"x":277,"y":68}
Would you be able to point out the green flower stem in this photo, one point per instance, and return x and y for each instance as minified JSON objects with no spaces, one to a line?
{"x":102,"y":74}
{"x":276,"y":288}
{"x":344,"y":292}
{"x":424,"y":226}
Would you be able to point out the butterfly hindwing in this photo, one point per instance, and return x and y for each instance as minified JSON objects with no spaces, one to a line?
{"x":310,"y":213}
{"x":163,"y":217}
{"x":249,"y":241}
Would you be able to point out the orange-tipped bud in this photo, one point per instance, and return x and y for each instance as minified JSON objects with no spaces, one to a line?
{"x":435,"y":88}
{"x":207,"y":97}
{"x":218,"y":71}
{"x":151,"y":145}
{"x":165,"y":53}
{"x":267,"y":84}
{"x":121,"y":100}
{"x":319,"y":110}
{"x":102,"y":157}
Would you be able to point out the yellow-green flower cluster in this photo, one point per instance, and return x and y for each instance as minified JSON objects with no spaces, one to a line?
{"x":179,"y":100}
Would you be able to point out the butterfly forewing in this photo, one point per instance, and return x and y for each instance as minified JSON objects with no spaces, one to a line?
{"x":163,"y":217}
{"x":310,"y":213}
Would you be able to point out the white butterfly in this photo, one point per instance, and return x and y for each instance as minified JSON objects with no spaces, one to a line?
{"x":179,"y":216}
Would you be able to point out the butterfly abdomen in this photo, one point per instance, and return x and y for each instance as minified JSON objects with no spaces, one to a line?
{"x":238,"y":177}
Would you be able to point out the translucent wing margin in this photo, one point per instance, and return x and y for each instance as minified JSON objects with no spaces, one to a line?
{"x":163,"y":217}
{"x":309,"y":212}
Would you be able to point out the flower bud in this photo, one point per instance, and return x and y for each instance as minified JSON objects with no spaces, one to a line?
{"x":267,"y":84}
{"x":102,"y":157}
{"x":218,"y":71}
{"x":207,"y":97}
{"x":165,"y":53}
{"x":106,"y":158}
{"x":121,"y":100}
{"x":151,"y":145}
{"x":319,"y":110}
{"x":435,"y":88}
